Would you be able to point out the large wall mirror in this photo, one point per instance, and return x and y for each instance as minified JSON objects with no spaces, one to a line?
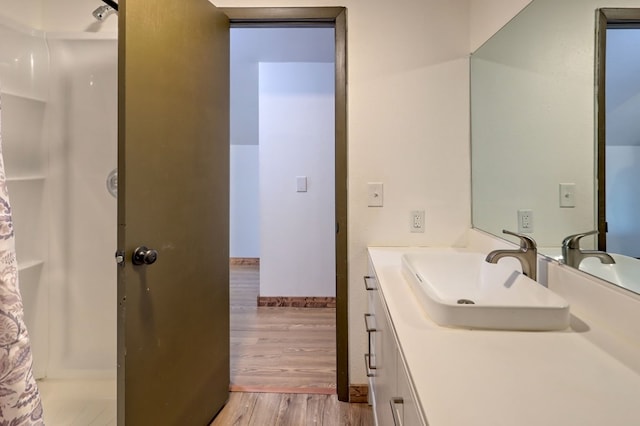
{"x":535,"y":122}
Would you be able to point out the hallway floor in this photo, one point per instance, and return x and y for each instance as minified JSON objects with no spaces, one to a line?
{"x":276,"y":349}
{"x":275,"y":409}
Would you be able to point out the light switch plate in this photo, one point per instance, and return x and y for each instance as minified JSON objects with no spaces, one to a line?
{"x":301,"y":183}
{"x":374,"y":194}
{"x":567,"y":195}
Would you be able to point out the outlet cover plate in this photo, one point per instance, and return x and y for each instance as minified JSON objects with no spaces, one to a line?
{"x":417,"y":221}
{"x":525,"y":221}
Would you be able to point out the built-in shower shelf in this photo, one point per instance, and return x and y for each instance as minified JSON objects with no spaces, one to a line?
{"x":29,"y":264}
{"x":28,"y":96}
{"x":31,"y":178}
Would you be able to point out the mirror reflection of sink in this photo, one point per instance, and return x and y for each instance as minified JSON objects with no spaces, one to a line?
{"x":625,"y":272}
{"x":460,"y":289}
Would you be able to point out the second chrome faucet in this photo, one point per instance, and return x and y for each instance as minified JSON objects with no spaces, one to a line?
{"x":527,"y":254}
{"x":572,"y":255}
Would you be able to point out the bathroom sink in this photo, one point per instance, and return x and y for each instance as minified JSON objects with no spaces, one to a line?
{"x":625,"y":272}
{"x":459,"y":288}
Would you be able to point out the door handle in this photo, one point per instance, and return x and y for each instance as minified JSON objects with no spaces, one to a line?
{"x":369,"y":366}
{"x":370,"y":348}
{"x":366,"y":323}
{"x":144,"y":256}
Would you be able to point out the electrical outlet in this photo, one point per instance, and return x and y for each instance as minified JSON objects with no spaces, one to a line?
{"x":417,"y":221}
{"x":525,"y":221}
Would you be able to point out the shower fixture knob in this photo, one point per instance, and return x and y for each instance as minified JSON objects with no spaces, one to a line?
{"x":143,"y":255}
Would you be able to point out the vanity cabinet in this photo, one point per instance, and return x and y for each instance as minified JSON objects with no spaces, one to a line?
{"x":391,"y":393}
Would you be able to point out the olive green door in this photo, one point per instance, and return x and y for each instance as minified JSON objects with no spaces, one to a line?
{"x":173,"y":163}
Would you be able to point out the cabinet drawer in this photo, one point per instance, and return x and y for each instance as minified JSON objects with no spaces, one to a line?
{"x":411,"y":414}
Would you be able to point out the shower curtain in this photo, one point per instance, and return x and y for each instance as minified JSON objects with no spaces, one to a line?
{"x":19,"y":397}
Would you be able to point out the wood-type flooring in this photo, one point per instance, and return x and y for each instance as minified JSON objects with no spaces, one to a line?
{"x":283,"y":363}
{"x":273,"y":409}
{"x":279,"y":349}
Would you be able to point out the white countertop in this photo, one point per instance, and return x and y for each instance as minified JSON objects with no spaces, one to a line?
{"x":476,"y":377}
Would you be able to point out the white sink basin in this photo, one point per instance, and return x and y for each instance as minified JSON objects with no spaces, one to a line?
{"x":625,"y":272}
{"x":460,"y":289}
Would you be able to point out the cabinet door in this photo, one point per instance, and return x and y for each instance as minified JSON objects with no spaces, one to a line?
{"x":385,"y":359}
{"x":410,"y":411}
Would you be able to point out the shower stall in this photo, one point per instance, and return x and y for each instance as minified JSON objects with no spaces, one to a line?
{"x":59,"y":108}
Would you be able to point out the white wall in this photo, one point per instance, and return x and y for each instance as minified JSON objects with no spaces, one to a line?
{"x":623,"y":141}
{"x":249,"y":46}
{"x":488,"y":16}
{"x":623,"y":201}
{"x":243,"y":102}
{"x":297,"y":138}
{"x":244,"y":202}
{"x":623,"y":86}
{"x":28,"y":13}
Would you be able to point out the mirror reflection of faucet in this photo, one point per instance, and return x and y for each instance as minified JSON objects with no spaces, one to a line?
{"x":527,"y":254}
{"x":572,"y":255}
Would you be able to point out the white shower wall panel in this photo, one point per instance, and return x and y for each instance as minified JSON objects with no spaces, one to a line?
{"x":23,"y":60}
{"x":82,"y":120}
{"x":24,"y":67}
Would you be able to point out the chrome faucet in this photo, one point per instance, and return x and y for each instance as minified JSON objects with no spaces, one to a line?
{"x":572,"y":255}
{"x":527,"y":254}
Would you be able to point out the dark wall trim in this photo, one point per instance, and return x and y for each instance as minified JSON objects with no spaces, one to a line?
{"x":274,"y":15}
{"x":615,"y":16}
{"x":601,"y":44}
{"x":336,"y":17}
{"x":341,"y":182}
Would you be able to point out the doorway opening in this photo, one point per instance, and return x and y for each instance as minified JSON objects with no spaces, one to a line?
{"x":618,"y":147}
{"x":334,"y":20}
{"x":282,"y":216}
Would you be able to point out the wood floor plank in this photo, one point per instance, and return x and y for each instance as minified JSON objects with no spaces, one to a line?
{"x":292,"y":410}
{"x":267,"y":409}
{"x":335,"y":413}
{"x":238,"y":410}
{"x":283,"y":347}
{"x":315,"y":409}
{"x":272,"y":409}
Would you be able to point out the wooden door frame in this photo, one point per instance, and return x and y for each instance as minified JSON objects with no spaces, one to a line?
{"x":605,"y":17}
{"x":337,"y":18}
